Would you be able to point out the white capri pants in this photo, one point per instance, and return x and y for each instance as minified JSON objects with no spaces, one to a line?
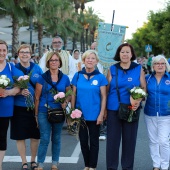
{"x":158,"y":128}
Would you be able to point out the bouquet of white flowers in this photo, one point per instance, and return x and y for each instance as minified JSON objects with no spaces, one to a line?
{"x":136,"y":96}
{"x":137,"y":93}
{"x":4,"y":81}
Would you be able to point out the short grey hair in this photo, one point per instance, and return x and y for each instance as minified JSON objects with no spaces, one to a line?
{"x":59,"y":38}
{"x":158,"y":58}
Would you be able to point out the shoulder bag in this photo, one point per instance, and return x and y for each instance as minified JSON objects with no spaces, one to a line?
{"x":56,"y":115}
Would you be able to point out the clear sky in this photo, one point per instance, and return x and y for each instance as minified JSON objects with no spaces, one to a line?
{"x":131,"y":13}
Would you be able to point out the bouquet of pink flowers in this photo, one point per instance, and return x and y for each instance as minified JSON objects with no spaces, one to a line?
{"x":22,"y":82}
{"x":61,"y":96}
{"x":74,"y":118}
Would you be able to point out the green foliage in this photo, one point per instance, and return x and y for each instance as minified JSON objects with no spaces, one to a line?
{"x":154,"y":32}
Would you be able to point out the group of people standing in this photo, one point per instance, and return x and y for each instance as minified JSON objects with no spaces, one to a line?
{"x":99,"y":102}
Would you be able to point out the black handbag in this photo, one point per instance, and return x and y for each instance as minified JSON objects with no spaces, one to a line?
{"x":125,"y":110}
{"x":56,"y":115}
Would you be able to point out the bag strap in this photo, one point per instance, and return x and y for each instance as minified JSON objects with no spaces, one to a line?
{"x":117,"y":89}
{"x":9,"y":67}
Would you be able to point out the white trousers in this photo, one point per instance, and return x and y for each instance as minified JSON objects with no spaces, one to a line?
{"x":158,"y":131}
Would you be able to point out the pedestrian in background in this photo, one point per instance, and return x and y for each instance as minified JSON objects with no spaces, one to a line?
{"x":44,"y":100}
{"x":129,"y":74}
{"x":23,"y":122}
{"x":57,"y":44}
{"x":149,"y":64}
{"x":6,"y":98}
{"x":75,"y":63}
{"x":157,"y":112}
{"x":89,"y":85}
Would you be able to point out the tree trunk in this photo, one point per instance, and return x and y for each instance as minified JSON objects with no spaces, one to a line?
{"x":15,"y":37}
{"x":40,"y":37}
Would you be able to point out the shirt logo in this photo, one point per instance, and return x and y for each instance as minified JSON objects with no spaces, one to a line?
{"x":94,"y":82}
{"x":167,"y":82}
{"x":130,"y":79}
{"x":36,"y":75}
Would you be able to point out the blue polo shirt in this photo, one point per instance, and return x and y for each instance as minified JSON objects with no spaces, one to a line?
{"x":47,"y":97}
{"x":7,"y":103}
{"x":35,"y":73}
{"x":127,"y":79}
{"x":88,"y":96}
{"x":158,"y":99}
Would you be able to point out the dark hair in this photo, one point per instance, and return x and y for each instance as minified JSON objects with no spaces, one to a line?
{"x":117,"y":55}
{"x":76,"y":50}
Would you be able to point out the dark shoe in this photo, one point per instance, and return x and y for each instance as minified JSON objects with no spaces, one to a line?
{"x":25,"y":164}
{"x":33,"y":165}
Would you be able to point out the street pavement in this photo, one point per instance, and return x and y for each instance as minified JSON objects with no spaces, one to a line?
{"x":71,"y":157}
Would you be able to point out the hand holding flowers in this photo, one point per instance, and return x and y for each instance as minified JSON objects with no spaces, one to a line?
{"x":61,"y":97}
{"x":4,"y":83}
{"x":136,"y":96}
{"x":22,"y":82}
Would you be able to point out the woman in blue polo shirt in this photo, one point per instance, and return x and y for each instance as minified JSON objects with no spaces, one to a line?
{"x":89,"y":85}
{"x":129,"y":74}
{"x":53,"y":79}
{"x":157,"y":112}
{"x":6,"y":98}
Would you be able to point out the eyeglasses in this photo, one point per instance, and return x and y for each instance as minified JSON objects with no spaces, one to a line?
{"x":24,"y":52}
{"x":56,"y":60}
{"x":57,"y":42}
{"x":158,"y":64}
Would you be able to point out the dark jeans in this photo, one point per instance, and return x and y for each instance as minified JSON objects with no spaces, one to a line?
{"x":89,"y":142}
{"x":117,"y":129}
{"x":4,"y":124}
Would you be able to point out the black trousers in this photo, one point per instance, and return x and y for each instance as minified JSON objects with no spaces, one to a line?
{"x":4,"y":124}
{"x":117,"y":129}
{"x":89,"y":142}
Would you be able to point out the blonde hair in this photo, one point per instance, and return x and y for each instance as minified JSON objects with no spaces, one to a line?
{"x":49,"y":56}
{"x":88,"y":52}
{"x":24,"y":46}
{"x":158,"y":58}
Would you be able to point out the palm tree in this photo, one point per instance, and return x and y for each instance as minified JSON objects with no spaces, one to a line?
{"x":13,"y":8}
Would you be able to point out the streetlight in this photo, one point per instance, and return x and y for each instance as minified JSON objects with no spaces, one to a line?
{"x":86,"y":27}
